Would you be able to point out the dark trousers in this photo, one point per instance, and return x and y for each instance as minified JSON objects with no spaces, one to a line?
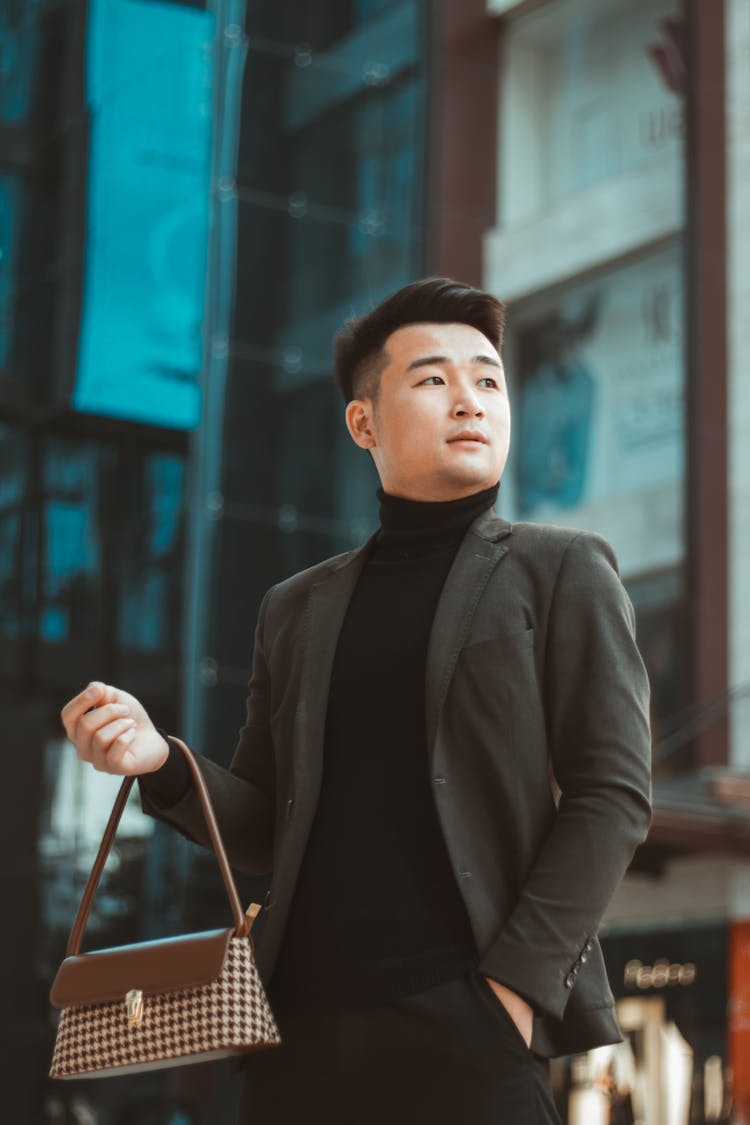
{"x":446,"y":1055}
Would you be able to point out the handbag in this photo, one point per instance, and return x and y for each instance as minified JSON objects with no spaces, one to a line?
{"x":160,"y":1003}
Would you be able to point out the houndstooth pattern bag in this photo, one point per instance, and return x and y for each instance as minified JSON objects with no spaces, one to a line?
{"x":161,"y":1003}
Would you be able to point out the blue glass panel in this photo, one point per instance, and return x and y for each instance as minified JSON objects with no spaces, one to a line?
{"x":149,"y":79}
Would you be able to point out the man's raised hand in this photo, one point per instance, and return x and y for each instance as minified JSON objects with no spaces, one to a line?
{"x":117,"y":736}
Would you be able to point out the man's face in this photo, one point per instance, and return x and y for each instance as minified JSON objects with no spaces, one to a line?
{"x":440,"y":380}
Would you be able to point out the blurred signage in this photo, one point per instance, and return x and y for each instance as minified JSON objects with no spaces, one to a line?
{"x":662,"y":974}
{"x":671,"y":987}
{"x":149,"y":89}
{"x":598,"y":443}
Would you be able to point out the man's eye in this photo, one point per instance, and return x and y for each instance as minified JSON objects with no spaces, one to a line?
{"x":431,"y":377}
{"x":489,"y":379}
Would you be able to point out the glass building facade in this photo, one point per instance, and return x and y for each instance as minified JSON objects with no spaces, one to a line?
{"x":193,"y":197}
{"x":328,"y":197}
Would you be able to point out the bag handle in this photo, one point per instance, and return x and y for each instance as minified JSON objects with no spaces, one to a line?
{"x":241,"y":920}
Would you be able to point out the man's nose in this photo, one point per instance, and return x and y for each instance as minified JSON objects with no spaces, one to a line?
{"x":467,"y":401}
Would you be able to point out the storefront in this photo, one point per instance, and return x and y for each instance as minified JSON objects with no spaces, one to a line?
{"x":678,"y":1063}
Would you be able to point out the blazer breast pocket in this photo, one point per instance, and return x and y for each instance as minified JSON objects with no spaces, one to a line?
{"x":495,"y":691}
{"x":498,"y":648}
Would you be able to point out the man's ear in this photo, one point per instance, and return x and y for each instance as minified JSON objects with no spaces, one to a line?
{"x":359,"y":422}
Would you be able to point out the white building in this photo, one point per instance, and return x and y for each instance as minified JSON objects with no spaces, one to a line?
{"x":621,"y":242}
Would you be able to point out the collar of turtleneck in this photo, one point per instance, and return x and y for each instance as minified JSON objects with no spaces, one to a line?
{"x":411,"y":527}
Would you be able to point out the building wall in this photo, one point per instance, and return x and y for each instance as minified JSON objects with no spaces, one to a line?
{"x":581,"y":215}
{"x":738,"y":265}
{"x":588,"y":250}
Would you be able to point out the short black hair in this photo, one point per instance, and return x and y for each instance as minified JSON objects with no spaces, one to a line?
{"x":359,"y":346}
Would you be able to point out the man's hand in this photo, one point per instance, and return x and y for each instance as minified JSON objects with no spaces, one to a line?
{"x":519,"y":1011}
{"x":117,"y":736}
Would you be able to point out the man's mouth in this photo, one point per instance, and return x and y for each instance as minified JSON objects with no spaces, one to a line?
{"x":469,"y":436}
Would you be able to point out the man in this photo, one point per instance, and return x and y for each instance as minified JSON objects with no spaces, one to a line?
{"x":445,"y":762}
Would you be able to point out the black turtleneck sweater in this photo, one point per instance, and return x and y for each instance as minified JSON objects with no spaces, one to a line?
{"x":377,"y":913}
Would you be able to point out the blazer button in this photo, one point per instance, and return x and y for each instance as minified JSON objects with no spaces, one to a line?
{"x":267,"y":899}
{"x":589,"y":945}
{"x":584,"y":957}
{"x":570,"y":980}
{"x":289,"y":806}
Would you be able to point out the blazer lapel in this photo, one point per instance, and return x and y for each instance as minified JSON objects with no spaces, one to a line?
{"x":478,"y":554}
{"x":326,"y":607}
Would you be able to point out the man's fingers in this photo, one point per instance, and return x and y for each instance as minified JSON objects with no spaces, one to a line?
{"x":92,"y":721}
{"x":103,"y":740}
{"x":94,"y":695}
{"x":80,"y":703}
{"x":120,"y":755}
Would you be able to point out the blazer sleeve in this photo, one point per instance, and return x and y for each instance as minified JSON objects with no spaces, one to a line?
{"x":244,"y":794}
{"x":597,"y":713}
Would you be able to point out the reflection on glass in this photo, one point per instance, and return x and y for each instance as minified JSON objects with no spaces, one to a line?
{"x":149,"y":598}
{"x":367,"y":10}
{"x":19,"y":43}
{"x":599,"y":378}
{"x":360,"y":209}
{"x":10,"y":542}
{"x":78,"y":803}
{"x":113,"y":541}
{"x":12,"y":480}
{"x":556,"y":410}
{"x":72,"y":551}
{"x":381,"y":244}
{"x":11,"y":201}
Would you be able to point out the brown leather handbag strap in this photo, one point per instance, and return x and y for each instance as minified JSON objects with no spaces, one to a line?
{"x":242,"y":922}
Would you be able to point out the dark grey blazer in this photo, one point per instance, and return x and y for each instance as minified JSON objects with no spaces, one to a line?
{"x":533,"y":682}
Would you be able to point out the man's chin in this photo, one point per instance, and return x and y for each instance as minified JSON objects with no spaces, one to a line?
{"x":463,"y":484}
{"x":478,"y":475}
